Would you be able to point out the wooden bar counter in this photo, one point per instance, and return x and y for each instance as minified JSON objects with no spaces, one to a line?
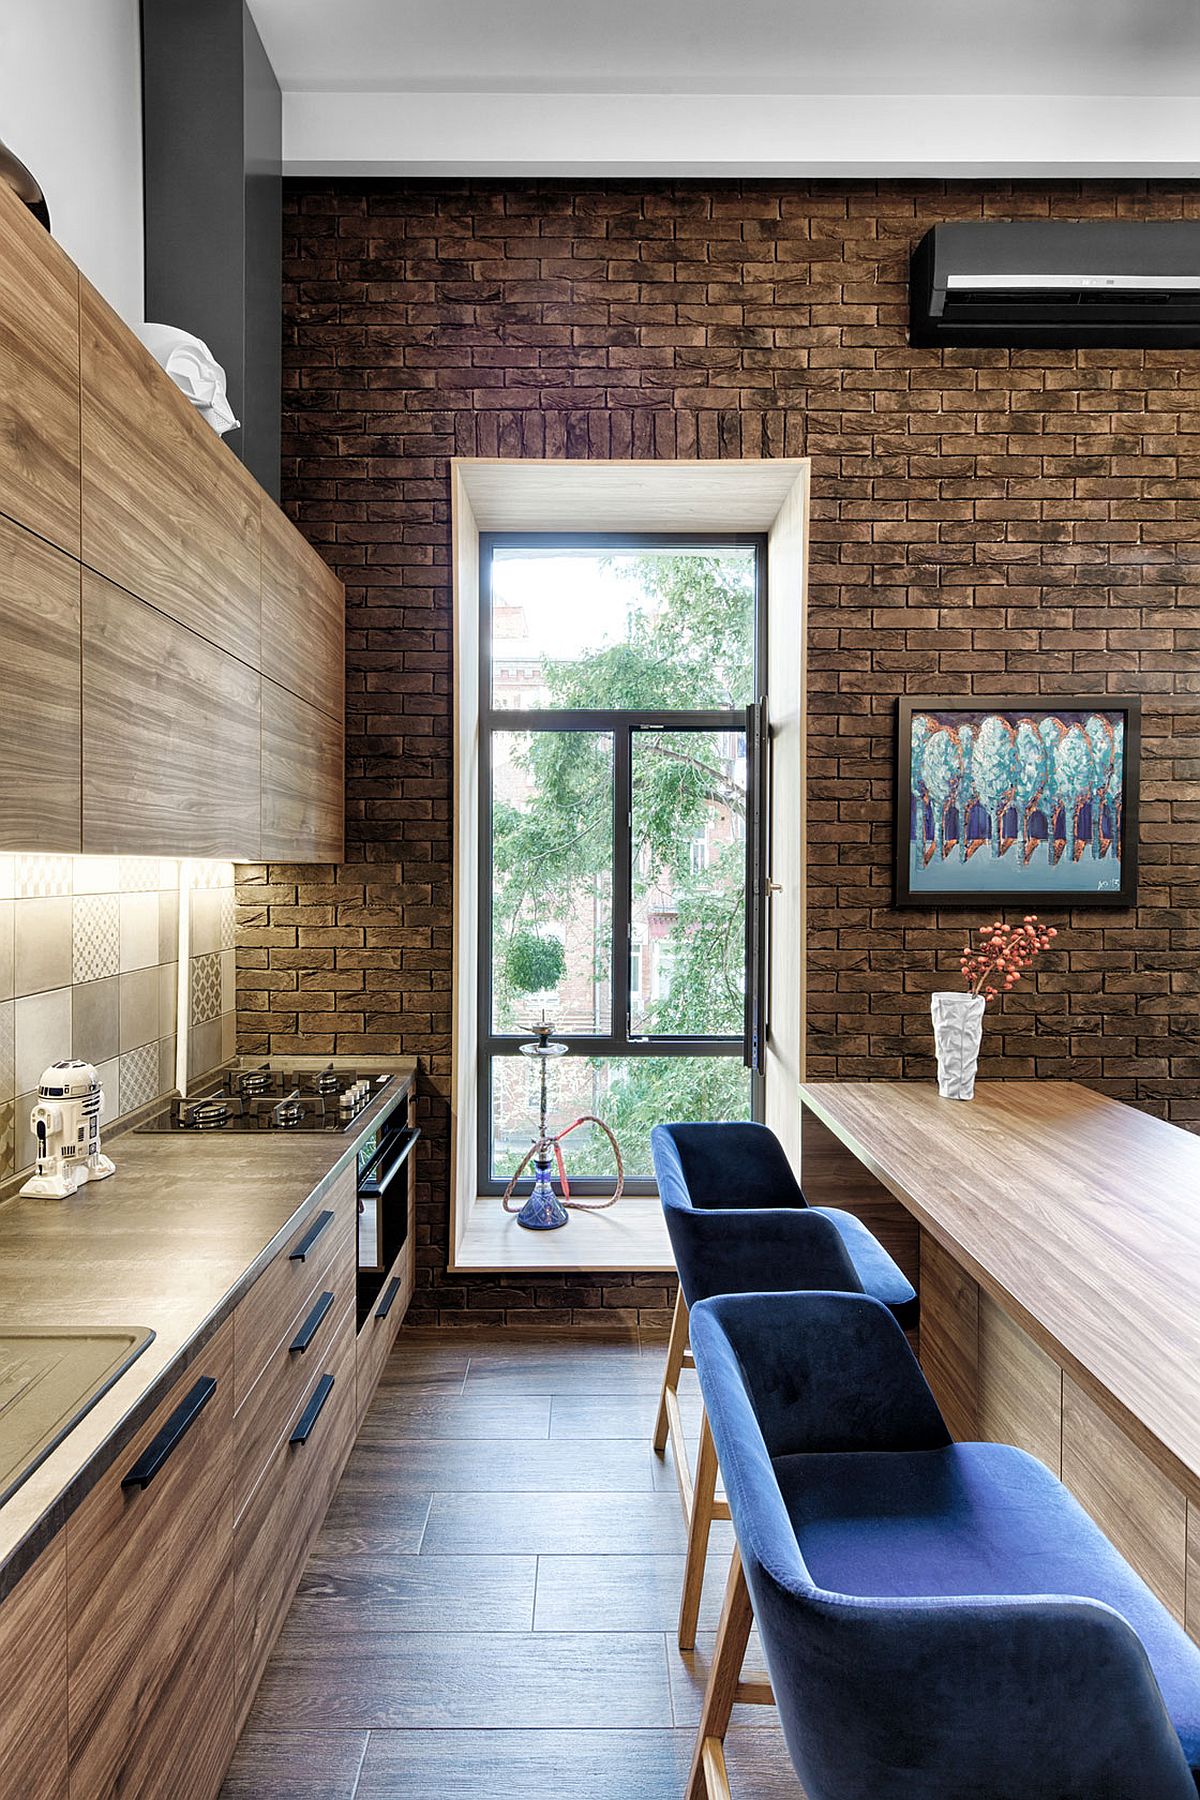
{"x":1055,"y":1238}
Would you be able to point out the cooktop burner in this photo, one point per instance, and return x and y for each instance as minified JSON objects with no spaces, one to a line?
{"x":266,"y":1099}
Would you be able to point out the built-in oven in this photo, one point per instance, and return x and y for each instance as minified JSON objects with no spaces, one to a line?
{"x":384,"y":1159}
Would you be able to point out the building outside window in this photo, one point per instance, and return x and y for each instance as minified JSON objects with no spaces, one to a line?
{"x":618,"y":684}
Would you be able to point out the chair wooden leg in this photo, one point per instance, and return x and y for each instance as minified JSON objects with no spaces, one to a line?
{"x":675,"y":1349}
{"x":707,"y":1779}
{"x":704,"y":1495}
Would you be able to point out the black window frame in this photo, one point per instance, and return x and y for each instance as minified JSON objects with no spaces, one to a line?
{"x":621,"y":725}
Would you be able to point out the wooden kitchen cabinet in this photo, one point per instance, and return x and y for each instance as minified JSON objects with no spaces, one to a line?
{"x":39,"y":379}
{"x":170,"y":735}
{"x":302,"y":779}
{"x":274,"y":1534}
{"x":150,"y":1601}
{"x":33,"y":1681}
{"x":167,"y":511}
{"x":189,"y":572}
{"x":303,"y":616}
{"x":39,"y":695}
{"x":293,"y":1372}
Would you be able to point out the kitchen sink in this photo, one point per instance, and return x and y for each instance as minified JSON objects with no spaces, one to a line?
{"x":48,"y":1381}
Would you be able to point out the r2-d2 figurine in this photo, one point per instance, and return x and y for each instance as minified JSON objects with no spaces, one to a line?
{"x":66,"y":1124}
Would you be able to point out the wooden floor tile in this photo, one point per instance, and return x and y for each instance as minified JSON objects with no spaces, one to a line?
{"x":409,"y":1680}
{"x":398,"y":1411}
{"x":617,"y":1415}
{"x":620,"y":1593}
{"x":403,"y":1465}
{"x":360,"y":1596}
{"x":371,"y":1525}
{"x":611,"y":1371}
{"x":301,"y":1765}
{"x":554,"y":1524}
{"x":524,"y":1765}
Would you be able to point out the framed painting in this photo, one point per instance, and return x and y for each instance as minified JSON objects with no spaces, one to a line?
{"x":1017,"y":802}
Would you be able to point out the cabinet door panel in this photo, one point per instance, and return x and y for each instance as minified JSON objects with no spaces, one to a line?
{"x":33,"y":1681}
{"x":303,"y":616}
{"x":39,"y":695}
{"x":170,"y":735}
{"x":168,"y":511}
{"x":275,"y":1533}
{"x":302,"y":780}
{"x":39,"y":379}
{"x":149,"y":1624}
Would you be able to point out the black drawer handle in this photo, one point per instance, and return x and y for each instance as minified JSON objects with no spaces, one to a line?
{"x":172,"y":1434}
{"x":312,"y":1411}
{"x":311,"y":1325}
{"x":389,"y":1297}
{"x":310,"y":1237}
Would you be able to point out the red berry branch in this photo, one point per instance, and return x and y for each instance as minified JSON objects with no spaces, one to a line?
{"x":1003,"y":954}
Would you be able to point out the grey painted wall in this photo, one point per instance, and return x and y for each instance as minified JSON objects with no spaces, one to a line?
{"x":212,"y":126}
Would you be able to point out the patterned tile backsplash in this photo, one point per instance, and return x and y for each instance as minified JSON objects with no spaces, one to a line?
{"x":89,"y":967}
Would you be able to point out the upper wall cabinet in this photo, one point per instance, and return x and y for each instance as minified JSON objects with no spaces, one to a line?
{"x":303,"y":616}
{"x":39,"y":694}
{"x":171,"y":735}
{"x":144,"y":575}
{"x":39,"y":379}
{"x":168,"y":512}
{"x":302,"y":780}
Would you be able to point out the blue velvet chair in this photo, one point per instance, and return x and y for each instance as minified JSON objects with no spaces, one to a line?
{"x":739,"y":1223}
{"x":941,"y":1621}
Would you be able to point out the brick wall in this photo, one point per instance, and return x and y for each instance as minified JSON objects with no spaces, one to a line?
{"x":983,"y":520}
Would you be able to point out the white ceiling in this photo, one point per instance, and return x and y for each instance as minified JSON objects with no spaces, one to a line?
{"x":857,"y":86}
{"x":735,"y":46}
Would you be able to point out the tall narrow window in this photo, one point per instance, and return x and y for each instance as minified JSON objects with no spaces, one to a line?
{"x":619,"y":879}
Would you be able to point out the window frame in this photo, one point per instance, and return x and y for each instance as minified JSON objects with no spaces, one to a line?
{"x":621,"y":724}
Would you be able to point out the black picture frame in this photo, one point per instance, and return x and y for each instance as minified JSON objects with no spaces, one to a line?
{"x":957,"y":891}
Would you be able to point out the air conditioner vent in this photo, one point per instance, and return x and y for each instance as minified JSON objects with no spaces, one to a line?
{"x":1127,"y":283}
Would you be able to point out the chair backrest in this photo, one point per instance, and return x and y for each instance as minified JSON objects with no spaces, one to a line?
{"x":731,"y":1165}
{"x":1013,"y":1697}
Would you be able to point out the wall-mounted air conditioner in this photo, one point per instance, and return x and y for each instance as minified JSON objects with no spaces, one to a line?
{"x":1121,"y":283}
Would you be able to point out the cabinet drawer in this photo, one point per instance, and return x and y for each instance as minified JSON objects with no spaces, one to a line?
{"x":33,"y":1681}
{"x":275,"y":1397}
{"x":294,"y":1276}
{"x":149,"y":1616}
{"x":275,"y":1533}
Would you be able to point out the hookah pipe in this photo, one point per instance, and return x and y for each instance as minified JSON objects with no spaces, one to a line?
{"x":544,"y":1211}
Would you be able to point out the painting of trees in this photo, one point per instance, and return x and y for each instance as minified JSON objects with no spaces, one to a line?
{"x":1074,"y":777}
{"x":941,"y":772}
{"x":1032,"y":773}
{"x":1102,"y":740}
{"x":995,"y":769}
{"x":989,"y":787}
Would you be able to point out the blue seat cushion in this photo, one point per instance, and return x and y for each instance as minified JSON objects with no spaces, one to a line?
{"x":975,"y":1519}
{"x":880,"y":1276}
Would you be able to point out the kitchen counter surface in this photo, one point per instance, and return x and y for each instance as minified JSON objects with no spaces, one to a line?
{"x":171,"y":1242}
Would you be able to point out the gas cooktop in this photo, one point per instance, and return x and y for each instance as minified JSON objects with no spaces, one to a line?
{"x":266,"y":1099}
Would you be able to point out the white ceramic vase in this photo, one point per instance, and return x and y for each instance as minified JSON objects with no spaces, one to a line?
{"x":957,"y":1033}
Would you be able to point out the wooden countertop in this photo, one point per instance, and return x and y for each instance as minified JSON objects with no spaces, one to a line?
{"x":1080,"y":1216}
{"x":171,"y":1241}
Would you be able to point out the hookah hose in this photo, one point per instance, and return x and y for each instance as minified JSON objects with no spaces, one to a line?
{"x":555,"y":1144}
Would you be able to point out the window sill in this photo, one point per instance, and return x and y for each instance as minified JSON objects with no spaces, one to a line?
{"x":629,"y":1238}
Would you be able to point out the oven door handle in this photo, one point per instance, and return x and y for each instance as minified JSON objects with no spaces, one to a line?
{"x":381,"y":1183}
